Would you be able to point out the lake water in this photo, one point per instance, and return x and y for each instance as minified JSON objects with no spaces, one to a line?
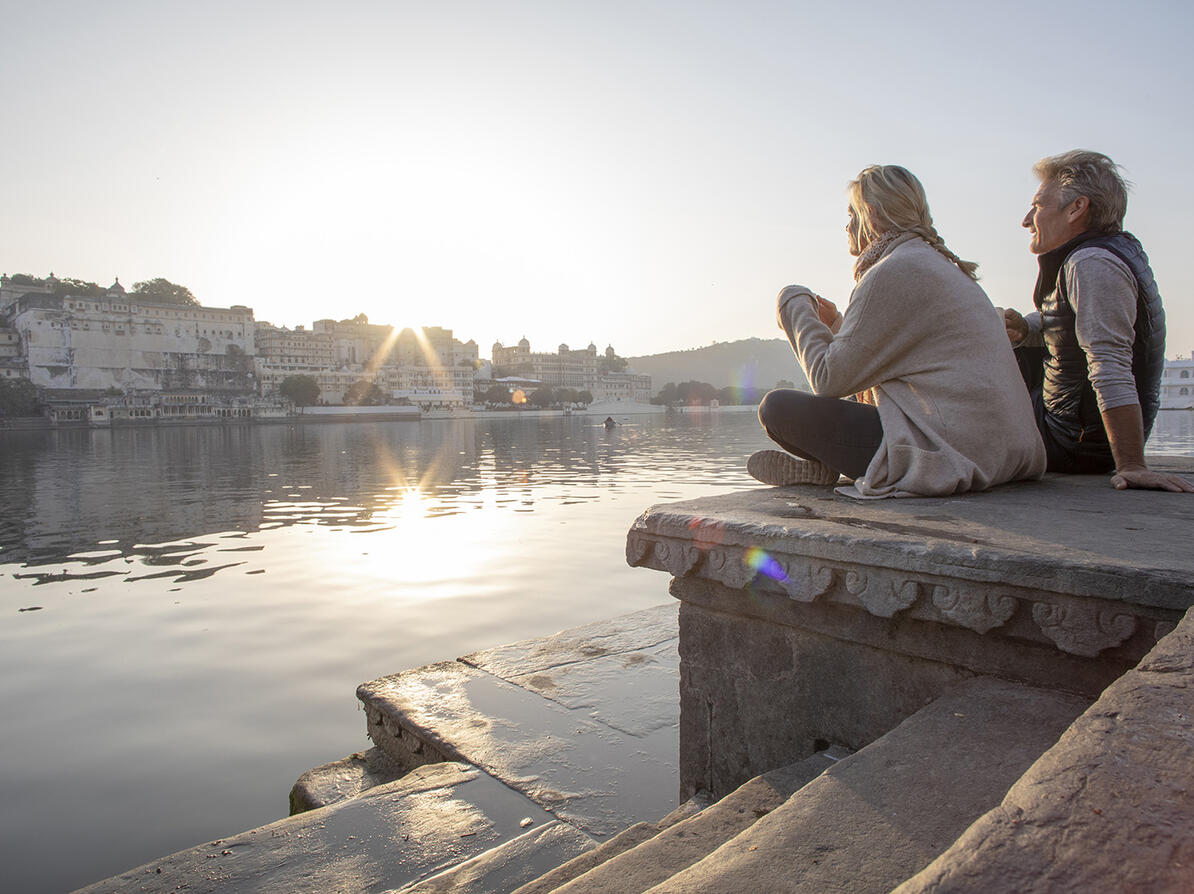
{"x":187,"y":611}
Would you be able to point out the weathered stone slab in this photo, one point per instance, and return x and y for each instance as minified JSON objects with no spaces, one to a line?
{"x":687,"y":842}
{"x":880,"y":815}
{"x":390,"y":836}
{"x":509,"y":865}
{"x":588,"y":772}
{"x":623,"y":670}
{"x":1109,"y":808}
{"x":343,"y":779}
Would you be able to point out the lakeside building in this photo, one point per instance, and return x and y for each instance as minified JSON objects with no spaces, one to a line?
{"x":125,"y":342}
{"x":282,"y":352}
{"x":13,"y":287}
{"x":94,"y":408}
{"x":137,"y":353}
{"x":622,"y":386}
{"x":1177,"y":384}
{"x":426,"y":367}
{"x":12,"y":363}
{"x":579,"y":369}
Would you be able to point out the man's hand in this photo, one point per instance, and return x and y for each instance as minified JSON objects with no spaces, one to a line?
{"x":828,"y":313}
{"x":1016,"y":326}
{"x":1125,"y":434}
{"x":1147,"y":479}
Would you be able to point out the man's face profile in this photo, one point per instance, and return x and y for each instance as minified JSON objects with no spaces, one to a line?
{"x":1052,"y":223}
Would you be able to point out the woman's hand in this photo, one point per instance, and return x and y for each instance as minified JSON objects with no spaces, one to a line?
{"x":1016,"y":326}
{"x":828,"y":313}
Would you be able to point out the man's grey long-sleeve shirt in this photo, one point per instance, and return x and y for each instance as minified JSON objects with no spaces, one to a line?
{"x":1103,"y":293}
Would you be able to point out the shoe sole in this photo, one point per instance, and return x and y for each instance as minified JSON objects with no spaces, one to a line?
{"x":784,"y":470}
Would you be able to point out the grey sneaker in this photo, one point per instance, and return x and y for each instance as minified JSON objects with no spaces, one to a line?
{"x":782,"y":469}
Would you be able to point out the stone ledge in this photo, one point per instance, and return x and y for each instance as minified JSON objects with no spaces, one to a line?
{"x":1067,"y":561}
{"x":845,"y":617}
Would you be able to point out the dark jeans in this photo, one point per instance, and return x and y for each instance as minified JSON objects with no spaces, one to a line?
{"x":842,"y":434}
{"x":1066,"y":450}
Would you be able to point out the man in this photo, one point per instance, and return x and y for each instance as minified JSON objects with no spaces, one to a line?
{"x":1093,"y":353}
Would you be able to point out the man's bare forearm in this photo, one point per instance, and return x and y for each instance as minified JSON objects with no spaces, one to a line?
{"x":1125,"y":434}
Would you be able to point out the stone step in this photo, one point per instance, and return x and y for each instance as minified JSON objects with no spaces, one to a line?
{"x":881,"y":815}
{"x":584,"y":722}
{"x":607,"y":850}
{"x":392,"y":835}
{"x":502,"y":869}
{"x":1108,"y":808}
{"x":683,"y":844}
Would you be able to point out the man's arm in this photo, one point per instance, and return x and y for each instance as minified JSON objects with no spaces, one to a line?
{"x":1125,"y":433}
{"x":1103,"y":293}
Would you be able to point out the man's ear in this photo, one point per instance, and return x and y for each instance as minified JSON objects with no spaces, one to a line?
{"x":1079,"y":207}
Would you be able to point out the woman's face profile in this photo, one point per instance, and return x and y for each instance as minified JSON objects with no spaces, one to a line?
{"x":854,"y":232}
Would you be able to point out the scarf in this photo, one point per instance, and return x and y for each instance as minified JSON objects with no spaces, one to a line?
{"x":874,"y":252}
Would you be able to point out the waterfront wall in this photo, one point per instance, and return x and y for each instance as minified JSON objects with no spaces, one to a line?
{"x":807,"y":620}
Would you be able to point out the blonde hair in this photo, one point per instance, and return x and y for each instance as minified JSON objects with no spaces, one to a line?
{"x":1081,"y":172}
{"x":889,"y":199}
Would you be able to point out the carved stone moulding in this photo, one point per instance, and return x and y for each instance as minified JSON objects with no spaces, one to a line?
{"x":1083,"y":629}
{"x":1075,"y":625}
{"x":973,"y":607}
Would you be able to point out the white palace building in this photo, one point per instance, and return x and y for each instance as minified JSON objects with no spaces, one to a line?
{"x":1177,"y":384}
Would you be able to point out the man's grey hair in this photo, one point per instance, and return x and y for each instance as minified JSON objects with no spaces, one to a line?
{"x":1081,"y":172}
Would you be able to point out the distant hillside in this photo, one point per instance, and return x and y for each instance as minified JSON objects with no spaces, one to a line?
{"x":753,"y":362}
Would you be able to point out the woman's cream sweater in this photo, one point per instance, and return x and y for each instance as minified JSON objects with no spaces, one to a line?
{"x":924,"y":338}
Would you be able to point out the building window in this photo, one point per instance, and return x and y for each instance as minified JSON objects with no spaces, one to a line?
{"x":1185,"y":373}
{"x":1184,"y":391}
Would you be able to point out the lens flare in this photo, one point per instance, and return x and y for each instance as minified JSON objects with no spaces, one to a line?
{"x":744,"y":379}
{"x":518,"y":397}
{"x":763,"y":563}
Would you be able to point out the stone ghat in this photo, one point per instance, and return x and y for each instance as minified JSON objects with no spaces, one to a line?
{"x":846,"y":617}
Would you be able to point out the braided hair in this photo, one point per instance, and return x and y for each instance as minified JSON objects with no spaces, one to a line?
{"x":888,"y":199}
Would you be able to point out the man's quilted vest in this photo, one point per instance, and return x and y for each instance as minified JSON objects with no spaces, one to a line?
{"x":1068,"y":394}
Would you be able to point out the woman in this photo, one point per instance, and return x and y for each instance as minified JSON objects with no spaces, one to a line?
{"x":942,"y":407}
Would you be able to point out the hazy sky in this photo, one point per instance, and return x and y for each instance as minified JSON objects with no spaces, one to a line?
{"x":642,"y":173}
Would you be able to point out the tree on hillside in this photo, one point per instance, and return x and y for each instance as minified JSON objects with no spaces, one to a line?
{"x":363,"y":393}
{"x":78,"y":288}
{"x":692,"y":394}
{"x":667,"y":395}
{"x":164,"y":292}
{"x":695,"y":394}
{"x":302,"y":391}
{"x":18,"y":397}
